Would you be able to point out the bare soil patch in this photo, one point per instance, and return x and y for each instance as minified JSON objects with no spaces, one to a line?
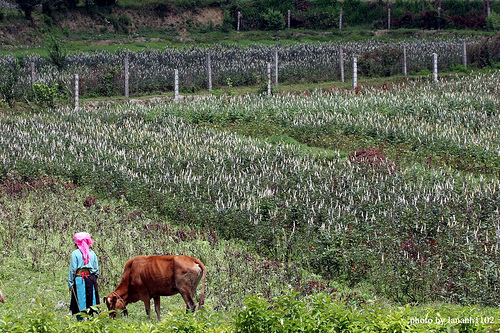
{"x":21,"y":32}
{"x":144,"y":18}
{"x":372,"y":157}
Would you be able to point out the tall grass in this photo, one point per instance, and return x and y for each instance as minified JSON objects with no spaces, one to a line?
{"x":418,"y":234}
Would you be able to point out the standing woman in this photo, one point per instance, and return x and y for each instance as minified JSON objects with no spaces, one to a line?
{"x":82,"y":277}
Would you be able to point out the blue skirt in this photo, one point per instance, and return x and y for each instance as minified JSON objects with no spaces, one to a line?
{"x":85,"y":294}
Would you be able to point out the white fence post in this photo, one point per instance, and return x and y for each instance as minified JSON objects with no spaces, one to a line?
{"x":176,"y":85}
{"x":269,"y":79}
{"x":289,"y":16}
{"x":209,"y":72}
{"x":32,"y":70}
{"x":126,"y":74}
{"x":276,"y":67}
{"x":435,"y":67}
{"x":76,"y":90}
{"x":238,"y":24}
{"x":464,"y":53}
{"x":341,"y":63}
{"x":405,"y":70}
{"x":354,"y":73}
{"x":389,"y":18}
{"x":340,"y":18}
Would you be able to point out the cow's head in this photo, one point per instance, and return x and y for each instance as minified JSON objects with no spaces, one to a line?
{"x":115,"y":302}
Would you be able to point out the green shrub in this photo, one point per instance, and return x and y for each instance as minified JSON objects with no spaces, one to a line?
{"x":46,"y":95}
{"x":256,"y":316}
{"x":485,"y":53}
{"x":9,"y":79}
{"x":124,"y":19}
{"x":493,"y":21}
{"x":56,"y":53}
{"x":383,"y":62}
{"x":107,"y":85}
{"x":273,"y":20}
{"x":227,"y":22}
{"x":324,"y":313}
{"x":460,"y":69}
{"x":121,"y":23}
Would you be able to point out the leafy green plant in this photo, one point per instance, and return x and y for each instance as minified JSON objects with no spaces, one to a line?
{"x":46,"y":95}
{"x":230,"y":91}
{"x":256,"y":316}
{"x":121,"y":24}
{"x":273,"y":20}
{"x":107,"y":84}
{"x":493,"y":21}
{"x":227,"y":22}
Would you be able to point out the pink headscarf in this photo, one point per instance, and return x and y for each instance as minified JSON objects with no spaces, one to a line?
{"x":83,"y":242}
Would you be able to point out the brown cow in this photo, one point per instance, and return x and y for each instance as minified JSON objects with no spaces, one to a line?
{"x":146,"y":277}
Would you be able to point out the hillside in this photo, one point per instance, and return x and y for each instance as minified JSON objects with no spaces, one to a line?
{"x":117,"y":25}
{"x":176,"y":19}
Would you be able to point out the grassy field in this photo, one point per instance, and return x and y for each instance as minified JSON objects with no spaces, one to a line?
{"x":39,"y":217}
{"x":297,"y":230}
{"x":317,"y":209}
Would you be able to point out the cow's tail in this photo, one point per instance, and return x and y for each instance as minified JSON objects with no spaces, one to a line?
{"x":202,"y":295}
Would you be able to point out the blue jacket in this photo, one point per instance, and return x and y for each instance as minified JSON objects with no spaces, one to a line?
{"x":77,"y":263}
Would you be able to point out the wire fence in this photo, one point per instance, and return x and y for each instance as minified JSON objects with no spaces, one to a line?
{"x":103,"y":73}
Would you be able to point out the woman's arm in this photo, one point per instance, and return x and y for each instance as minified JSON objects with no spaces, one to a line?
{"x":72,"y":270}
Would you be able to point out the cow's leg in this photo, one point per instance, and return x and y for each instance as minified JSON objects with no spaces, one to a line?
{"x":157,"y":306}
{"x":188,"y":299}
{"x":193,"y":293}
{"x":147,"y":305}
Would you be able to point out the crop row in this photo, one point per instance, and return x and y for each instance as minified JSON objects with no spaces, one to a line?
{"x":101,"y":73}
{"x":419,"y":234}
{"x":457,"y":117}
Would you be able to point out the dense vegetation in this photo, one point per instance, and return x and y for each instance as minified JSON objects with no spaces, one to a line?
{"x":101,"y":73}
{"x":272,"y":15}
{"x":420,"y":227}
{"x":359,"y":218}
{"x":48,"y":80}
{"x":315,"y":210}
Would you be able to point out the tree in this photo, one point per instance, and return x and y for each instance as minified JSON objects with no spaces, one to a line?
{"x":27,"y":6}
{"x":48,"y":7}
{"x":273,"y":20}
{"x":51,"y":6}
{"x":57,"y":54}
